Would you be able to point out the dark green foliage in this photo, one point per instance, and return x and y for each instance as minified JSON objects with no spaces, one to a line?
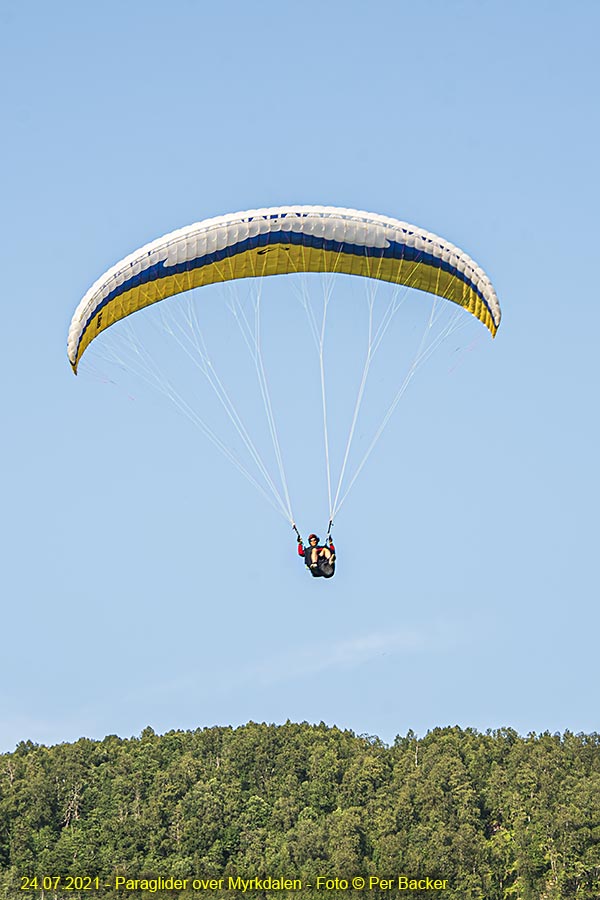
{"x":497,"y":815}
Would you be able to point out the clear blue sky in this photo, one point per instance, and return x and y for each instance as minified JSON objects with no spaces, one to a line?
{"x":143,"y":581}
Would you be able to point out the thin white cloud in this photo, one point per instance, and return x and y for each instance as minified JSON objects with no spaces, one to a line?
{"x":355,"y":651}
{"x":290,"y":664}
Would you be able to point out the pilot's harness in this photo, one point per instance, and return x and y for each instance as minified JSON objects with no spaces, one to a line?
{"x":328,"y":540}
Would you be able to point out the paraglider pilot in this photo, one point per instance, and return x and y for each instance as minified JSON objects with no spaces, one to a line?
{"x":320,"y":560}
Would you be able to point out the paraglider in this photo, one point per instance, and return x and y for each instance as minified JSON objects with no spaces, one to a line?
{"x":286,"y":240}
{"x":319,"y":560}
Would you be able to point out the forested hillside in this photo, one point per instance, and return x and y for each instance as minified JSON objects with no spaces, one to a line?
{"x":492,"y":815}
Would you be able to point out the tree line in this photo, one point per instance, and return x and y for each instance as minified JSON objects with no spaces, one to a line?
{"x":495,"y":815}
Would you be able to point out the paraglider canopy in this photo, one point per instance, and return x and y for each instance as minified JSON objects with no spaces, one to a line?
{"x":278,"y":241}
{"x":284,"y":240}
